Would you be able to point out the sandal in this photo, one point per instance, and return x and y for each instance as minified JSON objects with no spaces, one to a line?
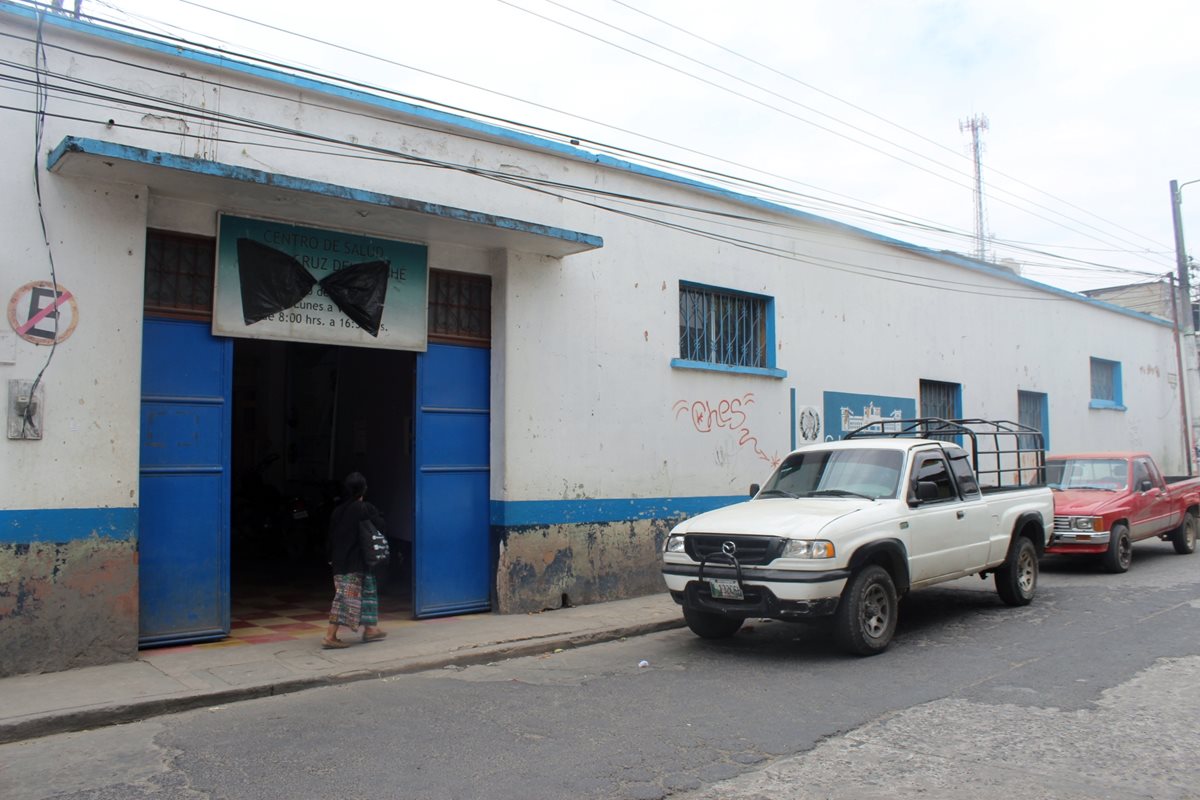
{"x":334,"y":644}
{"x":374,"y":637}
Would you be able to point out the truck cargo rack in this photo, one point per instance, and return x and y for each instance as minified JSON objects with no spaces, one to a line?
{"x":1018,"y":451}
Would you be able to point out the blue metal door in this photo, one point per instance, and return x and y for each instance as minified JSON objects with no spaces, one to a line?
{"x":183,"y":538}
{"x":452,"y":562}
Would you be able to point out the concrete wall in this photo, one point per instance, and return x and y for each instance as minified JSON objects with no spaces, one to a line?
{"x":68,"y":525}
{"x":552,"y":566}
{"x":68,"y":589}
{"x":595,"y":447}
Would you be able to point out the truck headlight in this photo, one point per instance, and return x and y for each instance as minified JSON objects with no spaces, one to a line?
{"x":1087,"y":523}
{"x":808,"y":548}
{"x":674,"y":544}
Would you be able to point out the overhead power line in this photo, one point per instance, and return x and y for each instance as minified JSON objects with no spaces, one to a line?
{"x":261,"y":93}
{"x":819,"y":126}
{"x":1139,"y":252}
{"x":207,"y":114}
{"x":874,"y":115}
{"x":526,"y":184}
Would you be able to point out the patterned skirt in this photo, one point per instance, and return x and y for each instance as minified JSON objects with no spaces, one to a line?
{"x":355,"y":601}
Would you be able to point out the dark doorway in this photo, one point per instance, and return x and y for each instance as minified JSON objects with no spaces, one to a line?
{"x":304,"y":416}
{"x":295,"y":419}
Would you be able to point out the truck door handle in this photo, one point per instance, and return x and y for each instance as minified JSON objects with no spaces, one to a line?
{"x":960,"y":514}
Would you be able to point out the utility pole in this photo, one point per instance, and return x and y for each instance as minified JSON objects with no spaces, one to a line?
{"x":1185,"y":329}
{"x":1181,"y":258}
{"x":976,"y":125}
{"x":1183,"y":377}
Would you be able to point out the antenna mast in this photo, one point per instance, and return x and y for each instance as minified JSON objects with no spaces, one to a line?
{"x":976,"y":125}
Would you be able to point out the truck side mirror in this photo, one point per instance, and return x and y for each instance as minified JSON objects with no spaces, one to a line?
{"x":754,"y":487}
{"x":926,"y":490}
{"x":1146,"y":485}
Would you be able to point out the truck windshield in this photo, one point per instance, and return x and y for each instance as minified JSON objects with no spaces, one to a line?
{"x":837,"y":473}
{"x":1110,"y":474}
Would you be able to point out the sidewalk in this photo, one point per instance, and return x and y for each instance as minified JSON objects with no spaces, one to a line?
{"x":178,"y":679}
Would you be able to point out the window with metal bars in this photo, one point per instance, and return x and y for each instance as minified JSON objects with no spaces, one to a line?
{"x":722,"y":327}
{"x":460,"y":307}
{"x":942,"y":400}
{"x":1033,"y":412}
{"x":179,"y":275}
{"x":1106,"y":384}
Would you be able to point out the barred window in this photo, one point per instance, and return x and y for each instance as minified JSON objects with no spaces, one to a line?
{"x":460,"y":307}
{"x":723,"y":327}
{"x":1106,"y":384}
{"x":179,"y":275}
{"x":944,"y":401}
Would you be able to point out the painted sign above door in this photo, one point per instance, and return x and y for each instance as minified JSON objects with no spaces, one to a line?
{"x":280,"y":281}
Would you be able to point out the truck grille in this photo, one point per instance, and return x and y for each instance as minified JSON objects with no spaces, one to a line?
{"x":1062,"y":523}
{"x":750,"y":550}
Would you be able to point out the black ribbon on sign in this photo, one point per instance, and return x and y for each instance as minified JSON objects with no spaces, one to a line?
{"x":360,"y":291}
{"x":273,"y":281}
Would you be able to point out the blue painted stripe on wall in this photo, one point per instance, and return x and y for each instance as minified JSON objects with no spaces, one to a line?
{"x":22,"y":526}
{"x":793,"y":397}
{"x":516,"y":513}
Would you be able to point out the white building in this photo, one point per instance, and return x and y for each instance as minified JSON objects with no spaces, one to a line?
{"x":574,"y":352}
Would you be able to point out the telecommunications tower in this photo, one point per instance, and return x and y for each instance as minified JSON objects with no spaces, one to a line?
{"x":976,"y":125}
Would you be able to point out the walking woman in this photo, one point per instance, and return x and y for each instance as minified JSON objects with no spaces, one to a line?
{"x":356,"y":599}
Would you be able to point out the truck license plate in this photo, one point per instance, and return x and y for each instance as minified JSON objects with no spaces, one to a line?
{"x":725,"y":589}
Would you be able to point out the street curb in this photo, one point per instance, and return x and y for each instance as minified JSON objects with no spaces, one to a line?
{"x":73,"y":720}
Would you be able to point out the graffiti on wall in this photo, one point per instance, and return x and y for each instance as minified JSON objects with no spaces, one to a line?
{"x":730,"y":415}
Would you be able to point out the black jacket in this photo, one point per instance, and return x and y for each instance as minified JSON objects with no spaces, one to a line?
{"x":345,"y":554}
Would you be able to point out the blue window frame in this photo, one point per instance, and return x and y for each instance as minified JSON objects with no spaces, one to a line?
{"x":1033,"y":411}
{"x":726,"y":330}
{"x":1106,"y":384}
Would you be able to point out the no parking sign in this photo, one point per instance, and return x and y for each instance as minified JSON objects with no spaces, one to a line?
{"x":43,"y":313}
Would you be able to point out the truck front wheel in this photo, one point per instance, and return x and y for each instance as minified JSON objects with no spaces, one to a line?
{"x":1120,"y":550}
{"x":711,"y":626}
{"x":866,"y":616}
{"x":1184,"y":537}
{"x":1016,"y":581}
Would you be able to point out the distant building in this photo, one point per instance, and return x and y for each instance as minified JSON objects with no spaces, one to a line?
{"x":1153,"y":297}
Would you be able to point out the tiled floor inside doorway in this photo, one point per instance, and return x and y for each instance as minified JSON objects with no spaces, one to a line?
{"x":286,"y":605}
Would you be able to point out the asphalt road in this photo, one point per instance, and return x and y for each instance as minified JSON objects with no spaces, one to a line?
{"x":1088,"y":692}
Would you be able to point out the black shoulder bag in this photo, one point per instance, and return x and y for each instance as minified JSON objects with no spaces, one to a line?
{"x":374,"y":545}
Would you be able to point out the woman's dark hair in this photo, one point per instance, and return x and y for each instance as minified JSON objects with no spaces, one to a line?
{"x":355,"y":485}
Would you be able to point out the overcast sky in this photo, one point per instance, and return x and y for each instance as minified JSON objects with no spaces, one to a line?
{"x":1091,"y":104}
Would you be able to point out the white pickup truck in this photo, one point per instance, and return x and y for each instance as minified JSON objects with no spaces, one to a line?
{"x":845,"y":528}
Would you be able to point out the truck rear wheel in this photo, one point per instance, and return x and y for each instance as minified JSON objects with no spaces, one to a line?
{"x":866,"y":616}
{"x":1120,"y":550}
{"x":1016,"y":581}
{"x":711,"y":626}
{"x":1184,"y":537}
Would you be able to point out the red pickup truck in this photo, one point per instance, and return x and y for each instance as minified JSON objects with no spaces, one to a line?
{"x":1104,"y":502}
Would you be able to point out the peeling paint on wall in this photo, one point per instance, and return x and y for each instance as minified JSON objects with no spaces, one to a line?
{"x":68,"y":604}
{"x":542,"y":566}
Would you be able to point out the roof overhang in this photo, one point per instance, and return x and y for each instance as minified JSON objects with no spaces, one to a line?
{"x":232,"y":187}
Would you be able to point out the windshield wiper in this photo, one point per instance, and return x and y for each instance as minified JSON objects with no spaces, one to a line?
{"x":776,"y":492}
{"x":839,"y":493}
